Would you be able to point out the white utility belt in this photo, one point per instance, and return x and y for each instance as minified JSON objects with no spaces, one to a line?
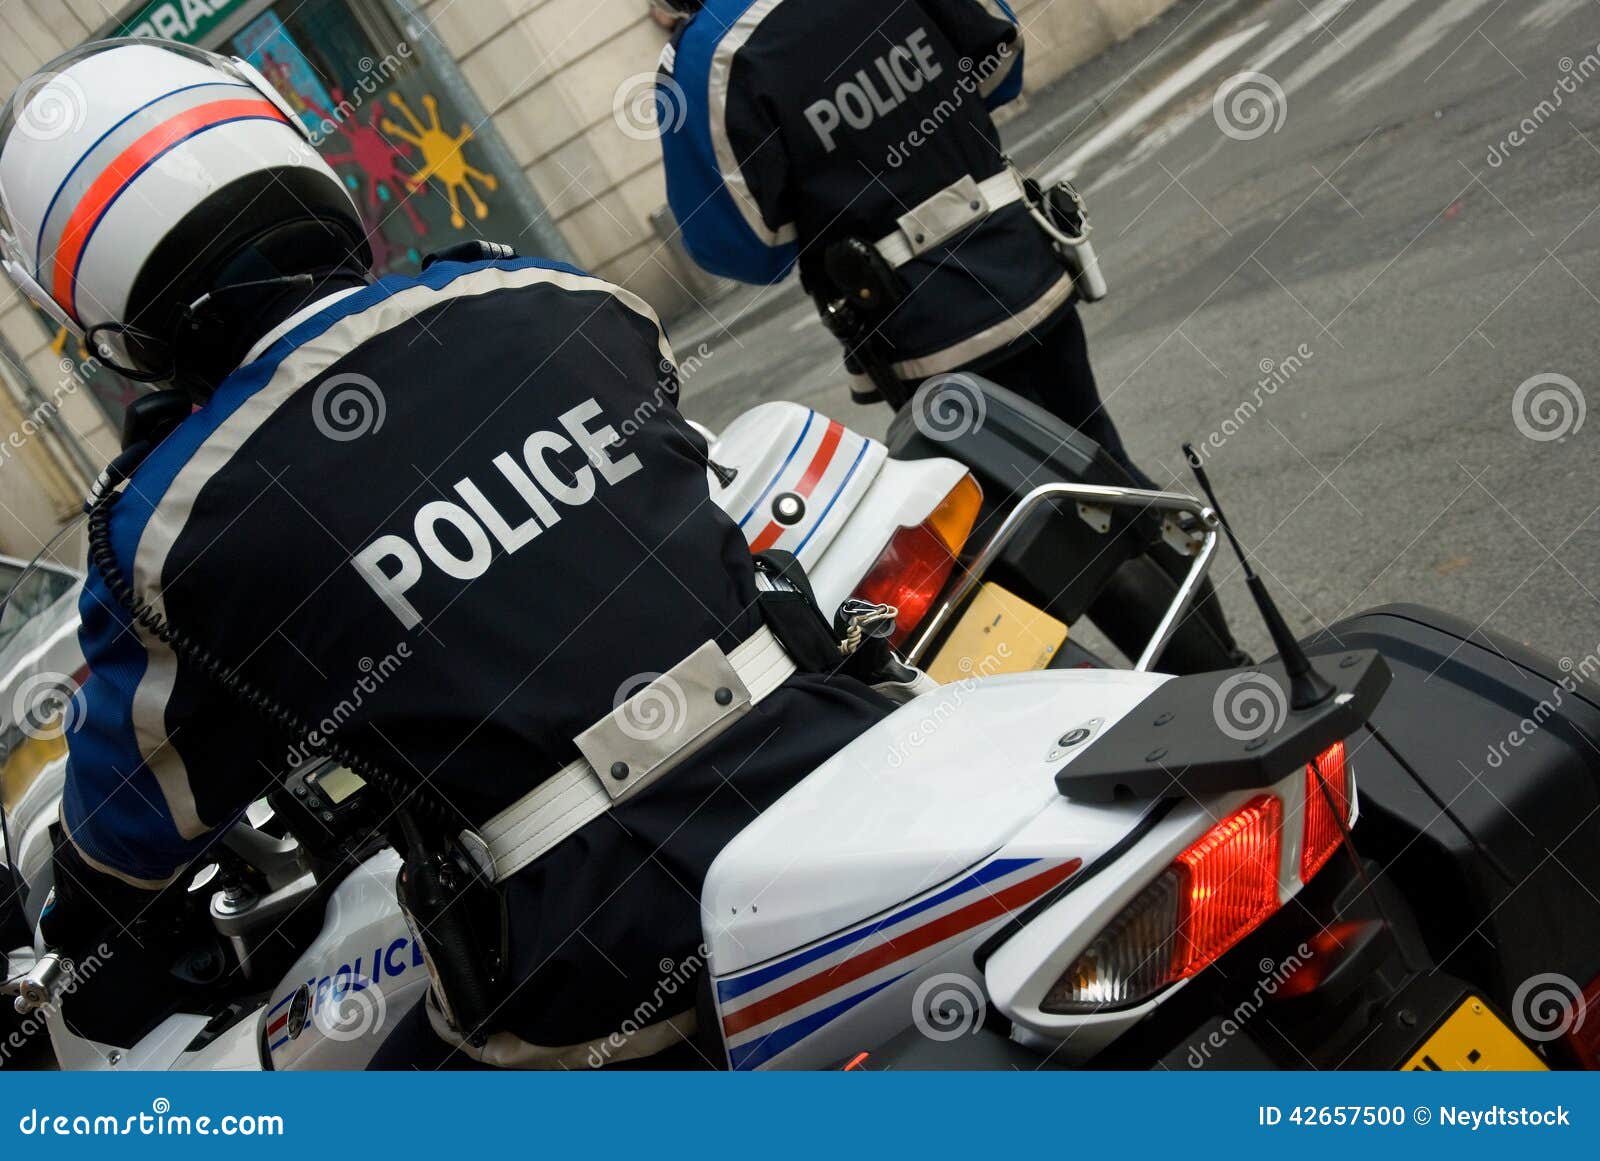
{"x":643,"y":738}
{"x":947,"y":213}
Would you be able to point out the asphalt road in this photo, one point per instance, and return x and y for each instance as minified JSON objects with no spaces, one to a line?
{"x":1427,"y":316}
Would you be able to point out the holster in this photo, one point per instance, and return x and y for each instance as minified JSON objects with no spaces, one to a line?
{"x":1060,"y":211}
{"x":860,"y":290}
{"x":459,"y":919}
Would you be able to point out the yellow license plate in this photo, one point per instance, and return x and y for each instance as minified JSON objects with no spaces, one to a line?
{"x":999,"y":633}
{"x":1474,"y":1039}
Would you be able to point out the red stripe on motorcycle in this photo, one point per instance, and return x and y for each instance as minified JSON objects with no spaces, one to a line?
{"x":814,"y":472}
{"x":898,"y":948}
{"x":824,"y":457}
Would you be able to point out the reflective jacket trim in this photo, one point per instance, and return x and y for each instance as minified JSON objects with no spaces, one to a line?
{"x":722,"y":59}
{"x":992,"y":339}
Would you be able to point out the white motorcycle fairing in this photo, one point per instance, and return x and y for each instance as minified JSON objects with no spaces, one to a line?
{"x":351,"y":986}
{"x":887,"y":865}
{"x":807,"y":484}
{"x":894,"y":861}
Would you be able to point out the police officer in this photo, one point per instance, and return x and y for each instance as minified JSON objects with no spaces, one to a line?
{"x":792,"y":130}
{"x":477,"y":477}
{"x":789,"y":127}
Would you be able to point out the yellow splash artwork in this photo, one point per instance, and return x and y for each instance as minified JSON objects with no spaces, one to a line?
{"x":442,"y":158}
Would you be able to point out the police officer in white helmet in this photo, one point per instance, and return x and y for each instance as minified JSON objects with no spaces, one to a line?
{"x":425,"y":468}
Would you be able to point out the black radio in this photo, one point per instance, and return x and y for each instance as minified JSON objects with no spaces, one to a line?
{"x":326,"y":805}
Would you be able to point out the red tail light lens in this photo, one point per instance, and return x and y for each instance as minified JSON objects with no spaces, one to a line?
{"x":912,"y":570}
{"x":1213,"y":895}
{"x":1327,"y":809}
{"x":1231,"y":883}
{"x":1584,"y":1035}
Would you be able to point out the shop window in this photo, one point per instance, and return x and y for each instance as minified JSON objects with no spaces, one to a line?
{"x":412,"y":159}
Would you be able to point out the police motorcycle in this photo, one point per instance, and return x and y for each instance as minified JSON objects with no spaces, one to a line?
{"x":1036,"y":861}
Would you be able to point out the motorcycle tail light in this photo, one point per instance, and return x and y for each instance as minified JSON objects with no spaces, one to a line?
{"x":1327,"y":810}
{"x":1214,"y":894}
{"x":1583,"y":1037}
{"x":911,"y":571}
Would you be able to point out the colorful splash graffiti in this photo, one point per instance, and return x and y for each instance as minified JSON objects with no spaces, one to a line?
{"x":442,"y":158}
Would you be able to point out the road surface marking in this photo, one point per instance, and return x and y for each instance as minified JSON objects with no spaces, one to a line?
{"x":1551,"y":13}
{"x":1420,"y":40}
{"x":1350,"y":39}
{"x":1311,"y":22}
{"x":1152,"y":102}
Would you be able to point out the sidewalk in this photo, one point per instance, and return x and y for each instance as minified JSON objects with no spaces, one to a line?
{"x":1035,"y":131}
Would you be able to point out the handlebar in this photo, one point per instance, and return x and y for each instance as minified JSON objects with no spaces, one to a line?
{"x":1100,"y":494}
{"x":35,"y":986}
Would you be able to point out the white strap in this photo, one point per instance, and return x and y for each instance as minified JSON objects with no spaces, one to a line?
{"x":575,"y":796}
{"x":995,"y":193}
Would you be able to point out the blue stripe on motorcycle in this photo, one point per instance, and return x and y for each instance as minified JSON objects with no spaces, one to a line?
{"x":739,"y":985}
{"x":757,"y":1052}
{"x":843,"y":484}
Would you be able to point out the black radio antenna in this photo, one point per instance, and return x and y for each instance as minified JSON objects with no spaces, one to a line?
{"x":1307,"y":687}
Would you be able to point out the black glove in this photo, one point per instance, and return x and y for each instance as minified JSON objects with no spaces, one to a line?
{"x":119,"y":940}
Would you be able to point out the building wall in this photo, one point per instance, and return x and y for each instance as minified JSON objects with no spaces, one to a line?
{"x":41,"y":484}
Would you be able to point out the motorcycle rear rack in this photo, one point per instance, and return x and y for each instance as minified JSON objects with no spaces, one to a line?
{"x":1099,"y":495}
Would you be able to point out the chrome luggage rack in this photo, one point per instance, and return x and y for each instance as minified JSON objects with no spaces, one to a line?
{"x":1171,"y":504}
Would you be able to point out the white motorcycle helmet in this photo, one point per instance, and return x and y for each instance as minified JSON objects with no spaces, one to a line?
{"x":138,"y":177}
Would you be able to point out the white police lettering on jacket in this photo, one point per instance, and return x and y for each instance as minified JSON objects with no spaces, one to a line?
{"x":861,"y":100}
{"x":475,"y":520}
